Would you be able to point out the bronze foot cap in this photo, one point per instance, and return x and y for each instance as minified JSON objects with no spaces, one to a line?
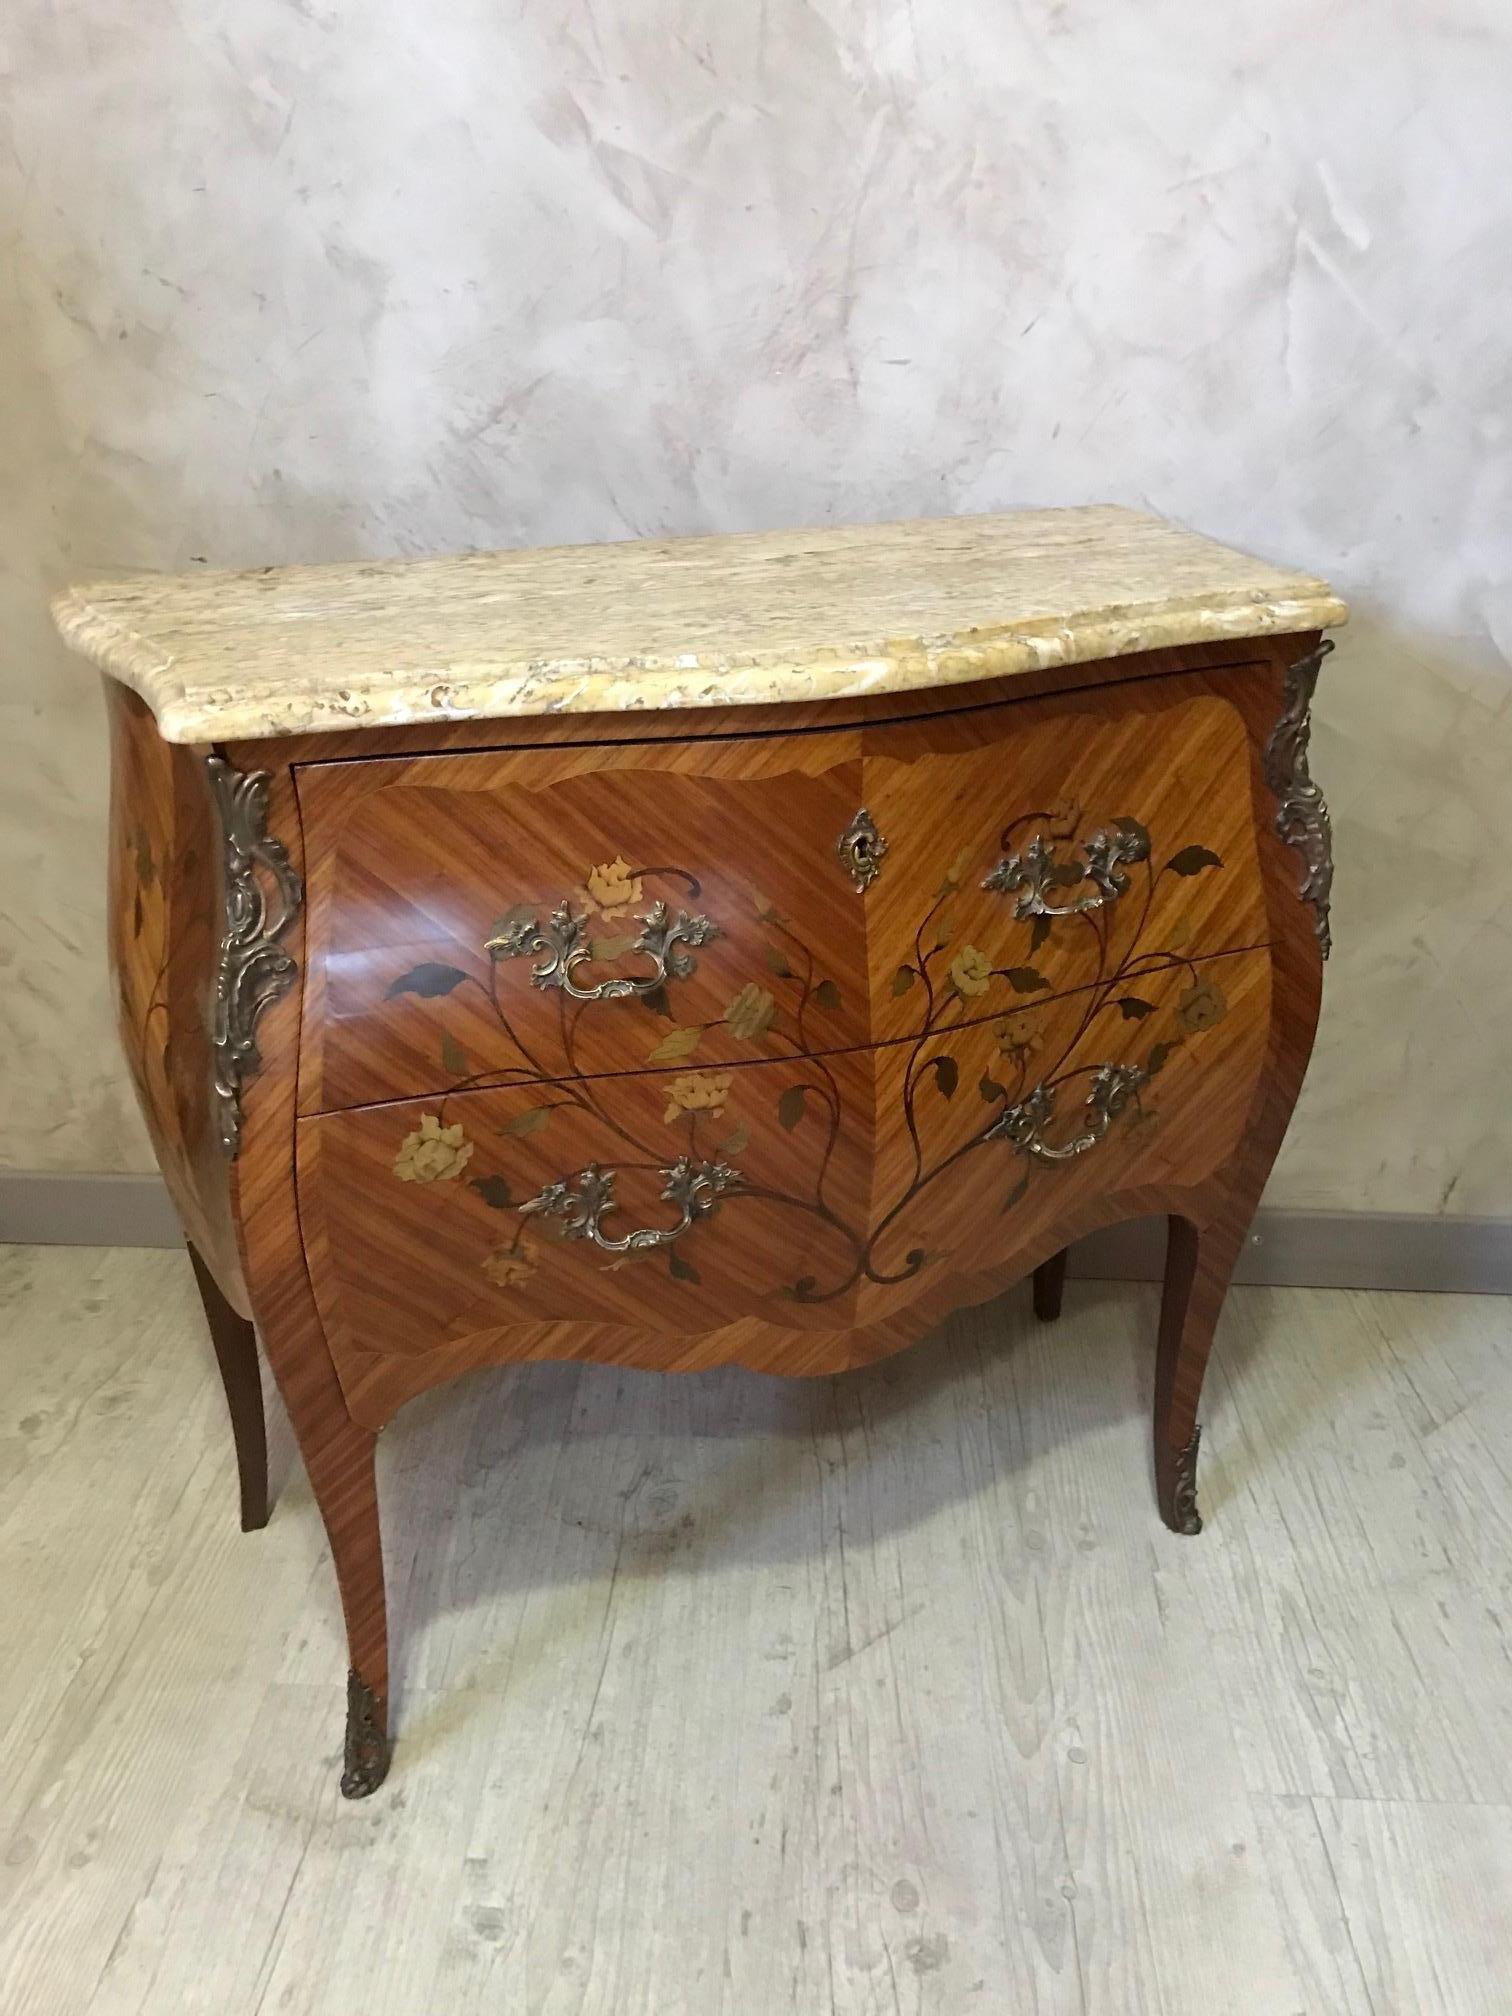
{"x":367,"y":1746}
{"x":1176,"y":1484}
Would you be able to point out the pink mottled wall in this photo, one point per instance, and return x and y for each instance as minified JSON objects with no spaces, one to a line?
{"x":290,"y":281}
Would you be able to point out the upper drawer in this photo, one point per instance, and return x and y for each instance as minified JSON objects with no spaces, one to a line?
{"x":520,"y":915}
{"x":1052,"y":846}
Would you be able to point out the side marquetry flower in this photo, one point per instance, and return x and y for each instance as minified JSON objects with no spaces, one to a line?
{"x":509,"y":1266}
{"x":1201,"y":1006}
{"x":433,"y":1153}
{"x":750,"y":1013}
{"x":611,"y":890}
{"x":697,"y":1092}
{"x":970,"y":972}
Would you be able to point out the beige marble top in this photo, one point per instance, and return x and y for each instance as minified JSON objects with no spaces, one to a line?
{"x":733,"y":621}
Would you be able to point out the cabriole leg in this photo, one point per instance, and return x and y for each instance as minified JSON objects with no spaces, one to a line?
{"x":340,"y":1459}
{"x":1049,"y":1285}
{"x":1199,"y":1262}
{"x":235,"y":1344}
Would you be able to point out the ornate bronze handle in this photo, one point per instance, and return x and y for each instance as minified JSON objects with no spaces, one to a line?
{"x":1113,"y":1086}
{"x":562,"y":947}
{"x":1105,"y":855}
{"x":585,"y":1201}
{"x":861,"y":848}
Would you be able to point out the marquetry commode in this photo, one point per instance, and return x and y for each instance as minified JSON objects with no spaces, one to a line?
{"x":722,"y":949}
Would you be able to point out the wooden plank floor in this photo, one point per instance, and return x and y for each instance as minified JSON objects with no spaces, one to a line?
{"x":732,"y":1697}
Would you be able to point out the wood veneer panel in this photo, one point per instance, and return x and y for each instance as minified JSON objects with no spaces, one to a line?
{"x":954,"y":799}
{"x":163,"y":910}
{"x":417,"y":860}
{"x":338,"y":1452}
{"x":948,"y":1200}
{"x":840,"y":1242}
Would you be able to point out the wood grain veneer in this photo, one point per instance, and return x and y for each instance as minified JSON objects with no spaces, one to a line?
{"x":418,"y":858}
{"x":1082,"y":987}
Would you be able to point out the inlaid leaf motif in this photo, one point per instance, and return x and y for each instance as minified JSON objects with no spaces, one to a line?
{"x":136,"y":915}
{"x":903,"y":979}
{"x":1160,"y":1056}
{"x":1132,"y":1008}
{"x":802,"y":1289}
{"x":1026,"y":980}
{"x":955,"y":874}
{"x":494,"y":1191}
{"x":778,"y":964}
{"x":680,"y":1269}
{"x":827,"y":995}
{"x":947,"y":1074}
{"x":943,"y":930}
{"x":1018,"y":1189}
{"x":675,"y":1046}
{"x":527,"y":1123}
{"x":792,"y":1106}
{"x":658,"y":1003}
{"x":1192,"y":861}
{"x":764,"y":908}
{"x":740,"y":1139}
{"x":990,"y":1089}
{"x":453,"y":1056}
{"x":1039,"y":931}
{"x":428,"y":980}
{"x":750,"y":1013}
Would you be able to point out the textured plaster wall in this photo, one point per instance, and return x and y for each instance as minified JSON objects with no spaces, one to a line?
{"x":302,"y":279}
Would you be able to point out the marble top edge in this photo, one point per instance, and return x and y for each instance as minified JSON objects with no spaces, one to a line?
{"x":747,"y":619}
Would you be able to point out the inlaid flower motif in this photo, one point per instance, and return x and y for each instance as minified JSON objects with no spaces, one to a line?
{"x":508,"y":1266}
{"x":1017,"y":1035}
{"x":433,"y":1153}
{"x":697,"y":1092}
{"x":611,"y":889}
{"x":1201,"y":1006}
{"x":970,"y":972}
{"x":751,"y":1012}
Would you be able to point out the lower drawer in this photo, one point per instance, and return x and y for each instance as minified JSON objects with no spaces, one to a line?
{"x":809,"y":1197}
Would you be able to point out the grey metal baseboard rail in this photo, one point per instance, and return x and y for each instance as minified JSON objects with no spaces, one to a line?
{"x":1287,"y":1249}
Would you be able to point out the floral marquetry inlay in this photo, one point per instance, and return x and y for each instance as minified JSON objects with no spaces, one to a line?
{"x":1042,"y":1103}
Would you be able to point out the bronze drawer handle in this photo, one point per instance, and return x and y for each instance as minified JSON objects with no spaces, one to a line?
{"x":1105,"y":856}
{"x":1113,"y":1086}
{"x":585,"y":1202}
{"x":560,"y":941}
{"x":861,"y":848}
